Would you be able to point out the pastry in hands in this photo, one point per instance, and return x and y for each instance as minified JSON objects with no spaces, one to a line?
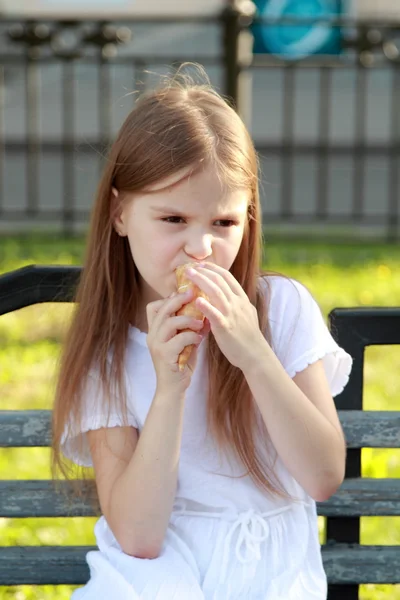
{"x":190,"y":309}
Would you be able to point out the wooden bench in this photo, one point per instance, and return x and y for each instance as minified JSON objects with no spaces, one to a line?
{"x":347,"y":563}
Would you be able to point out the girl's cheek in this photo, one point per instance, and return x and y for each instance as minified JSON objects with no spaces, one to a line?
{"x":169,"y":241}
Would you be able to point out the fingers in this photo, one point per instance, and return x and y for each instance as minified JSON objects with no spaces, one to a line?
{"x":176,"y":345}
{"x":168,"y":334}
{"x":171,"y":326}
{"x":169,"y":351}
{"x":183,"y":339}
{"x":216,"y":281}
{"x":226,"y":275}
{"x":158,"y":310}
{"x":216,"y":288}
{"x":206,"y":328}
{"x":213,"y":315}
{"x":152,"y":309}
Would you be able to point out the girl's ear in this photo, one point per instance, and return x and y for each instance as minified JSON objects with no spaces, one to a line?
{"x":116,"y":209}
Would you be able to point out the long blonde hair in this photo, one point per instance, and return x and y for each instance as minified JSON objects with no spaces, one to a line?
{"x":179,"y":124}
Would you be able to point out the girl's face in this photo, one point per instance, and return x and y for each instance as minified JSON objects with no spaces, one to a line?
{"x":187,"y":217}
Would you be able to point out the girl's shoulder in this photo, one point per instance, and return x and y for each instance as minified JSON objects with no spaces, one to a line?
{"x":299,"y":333}
{"x":286,"y":296}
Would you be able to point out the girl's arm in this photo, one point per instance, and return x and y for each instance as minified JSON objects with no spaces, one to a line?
{"x":136,"y":477}
{"x":302,"y":421}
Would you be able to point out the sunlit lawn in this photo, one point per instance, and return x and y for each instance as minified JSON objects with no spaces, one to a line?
{"x":341,"y":275}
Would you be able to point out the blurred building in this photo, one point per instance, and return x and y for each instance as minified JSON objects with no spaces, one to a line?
{"x":326,"y":127}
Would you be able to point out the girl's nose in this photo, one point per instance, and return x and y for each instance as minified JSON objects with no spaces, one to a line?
{"x":199,"y":246}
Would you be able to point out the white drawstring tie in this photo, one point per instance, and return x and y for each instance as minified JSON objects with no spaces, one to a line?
{"x":253,"y":529}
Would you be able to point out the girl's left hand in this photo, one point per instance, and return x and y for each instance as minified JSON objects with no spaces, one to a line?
{"x":233,"y":319}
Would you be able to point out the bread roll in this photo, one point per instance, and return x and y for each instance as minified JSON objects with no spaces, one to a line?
{"x":190,"y":309}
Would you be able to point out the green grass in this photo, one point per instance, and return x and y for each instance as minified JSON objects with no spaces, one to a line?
{"x":338,"y":275}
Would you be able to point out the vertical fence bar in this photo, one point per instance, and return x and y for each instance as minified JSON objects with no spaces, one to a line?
{"x":140,"y":77}
{"x":245,"y":77}
{"x":68,"y":100}
{"x":394,"y":188}
{"x":238,"y":56}
{"x":2,"y":138}
{"x":347,"y":530}
{"x":360,"y":115}
{"x":32,"y":142}
{"x":230,"y":43}
{"x":104,"y":105}
{"x":324,"y":114}
{"x":287,"y":146}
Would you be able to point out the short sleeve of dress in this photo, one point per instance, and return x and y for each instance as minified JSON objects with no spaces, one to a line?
{"x":300,"y":335}
{"x":95,"y":414}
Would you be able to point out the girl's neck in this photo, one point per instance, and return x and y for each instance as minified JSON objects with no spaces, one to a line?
{"x":139,"y":320}
{"x":141,"y":325}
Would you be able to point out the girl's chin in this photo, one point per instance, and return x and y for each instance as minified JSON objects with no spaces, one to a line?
{"x":161,"y":293}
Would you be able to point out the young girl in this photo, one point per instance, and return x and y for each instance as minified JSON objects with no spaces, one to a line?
{"x":207,"y":478}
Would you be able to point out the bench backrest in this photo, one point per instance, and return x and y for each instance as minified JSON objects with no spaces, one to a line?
{"x":347,"y":563}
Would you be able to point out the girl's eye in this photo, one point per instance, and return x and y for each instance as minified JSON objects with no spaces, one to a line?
{"x":173,"y":220}
{"x":225,"y":223}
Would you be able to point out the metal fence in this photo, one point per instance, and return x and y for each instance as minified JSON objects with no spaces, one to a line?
{"x":327,"y":128}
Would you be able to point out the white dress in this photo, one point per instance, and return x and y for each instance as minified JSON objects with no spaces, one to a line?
{"x":226,"y":539}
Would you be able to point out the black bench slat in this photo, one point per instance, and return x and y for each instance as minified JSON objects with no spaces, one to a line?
{"x":40,"y":498}
{"x":35,"y":284}
{"x":52,"y":565}
{"x":28,"y":428}
{"x":356,"y":497}
{"x":369,"y":429}
{"x":353,"y":563}
{"x":344,"y":564}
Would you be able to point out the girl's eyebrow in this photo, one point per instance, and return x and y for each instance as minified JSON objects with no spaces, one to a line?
{"x":167,"y":209}
{"x":174,"y":211}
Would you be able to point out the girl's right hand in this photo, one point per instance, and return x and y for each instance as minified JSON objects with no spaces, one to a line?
{"x":166,"y":341}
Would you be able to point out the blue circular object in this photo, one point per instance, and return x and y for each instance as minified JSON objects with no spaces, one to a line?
{"x":298,"y":41}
